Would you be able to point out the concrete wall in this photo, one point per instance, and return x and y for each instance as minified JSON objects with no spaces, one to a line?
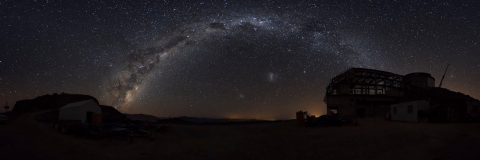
{"x":408,"y":111}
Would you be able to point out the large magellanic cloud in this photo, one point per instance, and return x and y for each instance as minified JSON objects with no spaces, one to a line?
{"x":263,"y":33}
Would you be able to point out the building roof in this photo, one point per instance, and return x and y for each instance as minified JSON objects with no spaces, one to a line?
{"x":53,"y":101}
{"x":80,"y":103}
{"x":438,"y":95}
{"x":367,"y":77}
{"x":419,"y":74}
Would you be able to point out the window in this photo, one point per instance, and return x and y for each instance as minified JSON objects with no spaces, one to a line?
{"x":357,"y":91}
{"x":381,"y":91}
{"x":334,"y":111}
{"x":381,"y":83}
{"x":410,"y":109}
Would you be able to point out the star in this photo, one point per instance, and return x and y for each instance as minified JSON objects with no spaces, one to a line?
{"x":159,"y":57}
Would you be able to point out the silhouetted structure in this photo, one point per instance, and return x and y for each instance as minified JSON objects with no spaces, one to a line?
{"x":84,"y":112}
{"x":412,"y":111}
{"x":361,"y":92}
{"x":52,"y":104}
{"x":53,"y":101}
{"x":445,"y":105}
{"x":301,"y":116}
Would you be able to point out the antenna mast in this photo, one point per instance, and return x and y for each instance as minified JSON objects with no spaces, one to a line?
{"x":443,"y":77}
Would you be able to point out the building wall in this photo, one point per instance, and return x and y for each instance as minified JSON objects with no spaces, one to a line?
{"x":422,"y":82}
{"x":360,"y":105}
{"x":473,"y":107}
{"x":419,"y":80}
{"x":79,"y":112}
{"x":407,"y":111}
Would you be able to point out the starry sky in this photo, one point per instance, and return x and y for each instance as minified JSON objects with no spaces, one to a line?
{"x":224,"y":58}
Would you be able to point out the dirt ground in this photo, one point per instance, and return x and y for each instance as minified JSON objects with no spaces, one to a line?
{"x":27,"y":139}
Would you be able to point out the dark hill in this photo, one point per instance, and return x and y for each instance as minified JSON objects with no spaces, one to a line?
{"x":112,"y":115}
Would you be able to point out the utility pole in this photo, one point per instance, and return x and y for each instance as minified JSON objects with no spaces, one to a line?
{"x":443,"y":77}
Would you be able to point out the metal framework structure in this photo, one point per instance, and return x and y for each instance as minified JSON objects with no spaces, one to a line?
{"x":361,"y":81}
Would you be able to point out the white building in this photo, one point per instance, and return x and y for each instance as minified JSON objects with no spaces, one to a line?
{"x":87,"y":112}
{"x":409,"y":111}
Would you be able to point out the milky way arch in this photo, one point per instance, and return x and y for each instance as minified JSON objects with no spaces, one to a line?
{"x":127,"y":83}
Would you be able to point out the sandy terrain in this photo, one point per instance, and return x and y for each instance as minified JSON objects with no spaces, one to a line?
{"x":27,"y":139}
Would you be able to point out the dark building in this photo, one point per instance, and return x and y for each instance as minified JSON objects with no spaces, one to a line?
{"x":363,"y":92}
{"x":360,"y":92}
{"x":418,"y":80}
{"x":445,"y":105}
{"x":50,"y":105}
{"x":45,"y":102}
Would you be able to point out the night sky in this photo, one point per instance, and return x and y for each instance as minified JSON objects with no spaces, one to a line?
{"x":225,"y":58}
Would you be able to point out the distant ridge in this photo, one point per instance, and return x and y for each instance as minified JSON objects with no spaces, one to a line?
{"x":142,"y":117}
{"x":208,"y":121}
